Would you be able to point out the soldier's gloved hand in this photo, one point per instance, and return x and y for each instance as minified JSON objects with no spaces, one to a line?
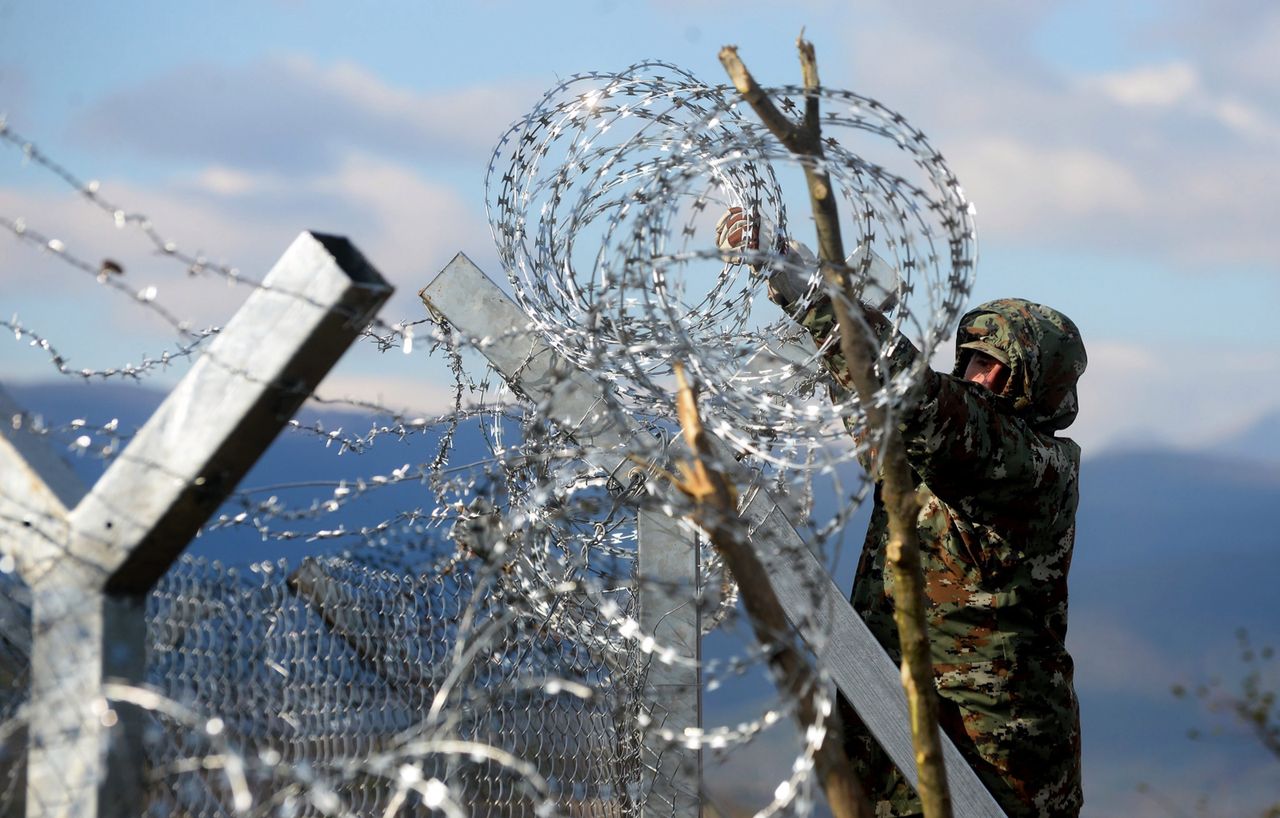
{"x":793,"y":284}
{"x":880,"y":281}
{"x":736,"y":232}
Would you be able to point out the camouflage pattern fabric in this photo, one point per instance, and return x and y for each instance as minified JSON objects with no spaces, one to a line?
{"x":998,"y":492}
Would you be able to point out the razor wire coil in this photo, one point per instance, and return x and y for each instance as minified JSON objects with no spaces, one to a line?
{"x":510,"y":583}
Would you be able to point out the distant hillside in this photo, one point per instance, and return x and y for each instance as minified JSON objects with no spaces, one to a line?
{"x":1175,"y":550}
{"x":297,"y":458}
{"x":1259,"y":441}
{"x":1173,"y":554}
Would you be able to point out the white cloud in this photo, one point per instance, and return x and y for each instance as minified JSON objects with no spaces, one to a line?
{"x":406,"y":225}
{"x":1247,"y":120}
{"x":1237,"y":41}
{"x":1150,"y":85}
{"x":291,"y":114}
{"x":225,"y":181}
{"x":1177,"y":87}
{"x":1172,"y":158}
{"x":1182,"y":395}
{"x":415,"y":225}
{"x":1019,"y":186}
{"x":1244,"y":118}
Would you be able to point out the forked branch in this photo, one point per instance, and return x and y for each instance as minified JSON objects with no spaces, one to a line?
{"x":716,"y":512}
{"x":857,"y":345}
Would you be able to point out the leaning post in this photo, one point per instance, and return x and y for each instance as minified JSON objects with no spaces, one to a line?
{"x":91,"y":557}
{"x":464,"y":296}
{"x":667,"y":553}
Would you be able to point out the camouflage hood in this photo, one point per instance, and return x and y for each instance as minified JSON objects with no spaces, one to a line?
{"x":1042,"y":349}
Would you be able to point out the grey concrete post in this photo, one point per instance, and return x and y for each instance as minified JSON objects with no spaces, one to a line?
{"x":668,"y":554}
{"x":861,"y":669}
{"x":669,"y":595}
{"x":90,"y":559}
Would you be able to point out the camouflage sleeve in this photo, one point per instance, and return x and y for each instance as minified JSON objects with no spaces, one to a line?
{"x":820,"y":321}
{"x":978,"y":455}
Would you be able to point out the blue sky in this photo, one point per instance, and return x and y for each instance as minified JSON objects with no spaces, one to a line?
{"x":1122,"y":157}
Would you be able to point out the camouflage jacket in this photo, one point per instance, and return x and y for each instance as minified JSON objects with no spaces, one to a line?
{"x":998,"y":490}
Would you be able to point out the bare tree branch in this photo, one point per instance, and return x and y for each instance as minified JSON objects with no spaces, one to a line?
{"x":716,"y":512}
{"x":897,"y":486}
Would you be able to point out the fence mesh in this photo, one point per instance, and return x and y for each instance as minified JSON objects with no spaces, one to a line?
{"x":327,"y":684}
{"x":480,"y":648}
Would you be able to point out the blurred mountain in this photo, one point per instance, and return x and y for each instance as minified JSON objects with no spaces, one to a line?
{"x":1175,"y":550}
{"x":1258,"y":441}
{"x":295,"y":468}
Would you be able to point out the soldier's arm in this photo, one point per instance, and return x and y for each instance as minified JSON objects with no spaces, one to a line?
{"x":972,"y":450}
{"x":819,"y":319}
{"x":794,"y":285}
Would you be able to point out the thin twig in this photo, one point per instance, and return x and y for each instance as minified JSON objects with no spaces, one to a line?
{"x":897,"y":485}
{"x":716,"y":512}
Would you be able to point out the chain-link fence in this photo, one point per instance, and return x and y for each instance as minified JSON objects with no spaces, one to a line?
{"x":543,"y":656}
{"x":327,"y":684}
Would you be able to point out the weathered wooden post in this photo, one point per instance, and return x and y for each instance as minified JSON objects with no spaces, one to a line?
{"x":853,"y":658}
{"x":90,"y":558}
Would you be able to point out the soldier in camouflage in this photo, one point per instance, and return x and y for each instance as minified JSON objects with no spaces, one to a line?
{"x":998,"y":490}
